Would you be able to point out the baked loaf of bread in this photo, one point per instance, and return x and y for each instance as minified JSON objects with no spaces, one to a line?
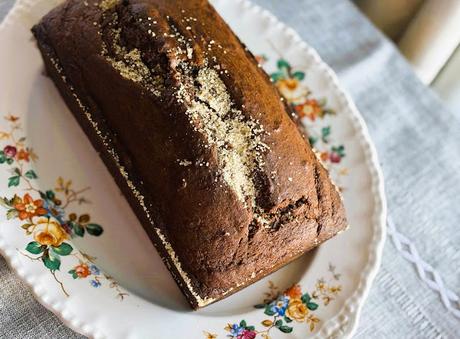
{"x":195,"y":135}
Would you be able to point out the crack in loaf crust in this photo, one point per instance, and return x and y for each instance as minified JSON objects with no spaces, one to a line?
{"x":196,"y":136}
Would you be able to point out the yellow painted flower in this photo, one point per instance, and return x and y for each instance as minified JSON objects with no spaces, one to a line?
{"x":288,"y":84}
{"x":297,"y":310}
{"x":312,"y":320}
{"x":209,"y":335}
{"x":335,"y":289}
{"x":48,"y":231}
{"x":291,"y":89}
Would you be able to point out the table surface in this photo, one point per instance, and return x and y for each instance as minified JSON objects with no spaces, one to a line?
{"x":417,"y":140}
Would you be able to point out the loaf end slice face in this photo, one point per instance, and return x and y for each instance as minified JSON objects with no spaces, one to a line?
{"x":195,"y":135}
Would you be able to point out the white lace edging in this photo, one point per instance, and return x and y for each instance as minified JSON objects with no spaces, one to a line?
{"x":425,"y":271}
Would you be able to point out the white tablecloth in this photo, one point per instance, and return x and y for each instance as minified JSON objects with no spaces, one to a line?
{"x":418,"y":142}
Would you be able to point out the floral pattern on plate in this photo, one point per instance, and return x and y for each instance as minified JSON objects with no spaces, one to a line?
{"x":94,"y":312}
{"x":44,"y":217}
{"x":312,"y":112}
{"x":293,"y":304}
{"x":286,"y":308}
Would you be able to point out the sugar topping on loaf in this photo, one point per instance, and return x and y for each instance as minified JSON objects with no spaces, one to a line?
{"x":237,"y":138}
{"x":108,"y":4}
{"x":129,"y":63}
{"x":197,"y":81}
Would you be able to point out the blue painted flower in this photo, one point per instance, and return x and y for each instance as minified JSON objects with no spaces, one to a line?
{"x":54,"y":210}
{"x":95,"y":270}
{"x":280,"y":305}
{"x":236,"y":330}
{"x":95,"y":283}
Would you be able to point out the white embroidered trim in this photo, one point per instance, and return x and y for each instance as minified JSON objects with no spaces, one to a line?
{"x":425,"y":271}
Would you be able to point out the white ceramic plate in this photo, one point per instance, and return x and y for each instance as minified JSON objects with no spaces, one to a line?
{"x":49,"y":201}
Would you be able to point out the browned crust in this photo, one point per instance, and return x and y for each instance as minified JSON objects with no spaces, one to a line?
{"x":320,"y":223}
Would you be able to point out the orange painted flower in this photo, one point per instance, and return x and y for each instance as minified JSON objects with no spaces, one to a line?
{"x":11,"y":118}
{"x":294,"y":292}
{"x":310,"y":109}
{"x":324,"y":156}
{"x":49,"y":232}
{"x":23,"y":155}
{"x":82,"y":271}
{"x":28,"y":208}
{"x":261,"y":59}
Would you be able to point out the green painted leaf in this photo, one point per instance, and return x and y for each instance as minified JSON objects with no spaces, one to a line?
{"x":243,"y":323}
{"x":64,"y":249}
{"x":17,"y":171}
{"x":26,"y":226}
{"x":94,"y":229}
{"x":299,"y":75}
{"x":13,"y":181}
{"x":325,"y":133}
{"x":5,"y":202}
{"x":268,"y":311}
{"x":283,"y":64}
{"x":9,"y":161}
{"x":2,"y":158}
{"x":50,"y":195}
{"x":78,"y":230}
{"x":287,"y":319}
{"x":328,"y":111}
{"x":278,"y":323}
{"x":260,"y":306}
{"x":322,"y":102}
{"x":285,"y":329}
{"x":53,"y":263}
{"x":250,"y":328}
{"x":73,"y":273}
{"x":339,"y":150}
{"x":11,"y":214}
{"x":312,"y":306}
{"x":306,"y":298}
{"x":312,"y":141}
{"x":277,"y":76}
{"x":34,"y":247}
{"x":30,"y":174}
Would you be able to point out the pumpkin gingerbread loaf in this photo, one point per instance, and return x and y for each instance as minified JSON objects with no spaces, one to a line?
{"x":195,"y":135}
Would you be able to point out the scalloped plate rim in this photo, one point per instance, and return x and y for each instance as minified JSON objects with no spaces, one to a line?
{"x":347,"y":319}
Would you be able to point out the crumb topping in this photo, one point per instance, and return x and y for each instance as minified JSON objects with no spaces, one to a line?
{"x":105,"y":5}
{"x":237,"y":138}
{"x":129,"y":63}
{"x":131,"y":67}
